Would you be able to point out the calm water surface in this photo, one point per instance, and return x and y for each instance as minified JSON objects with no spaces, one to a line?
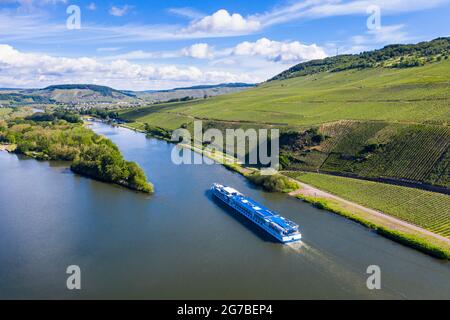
{"x":180,"y":242}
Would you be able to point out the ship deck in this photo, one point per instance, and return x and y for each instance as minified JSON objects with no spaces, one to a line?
{"x":265,"y":213}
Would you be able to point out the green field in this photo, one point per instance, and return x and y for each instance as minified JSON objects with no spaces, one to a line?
{"x":418,"y":95}
{"x":426,"y":209}
{"x":414,"y":152}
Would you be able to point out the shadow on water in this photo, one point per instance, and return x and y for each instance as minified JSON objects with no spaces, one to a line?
{"x":241,"y":219}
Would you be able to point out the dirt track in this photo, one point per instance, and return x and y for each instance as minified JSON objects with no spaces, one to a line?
{"x":381,"y":217}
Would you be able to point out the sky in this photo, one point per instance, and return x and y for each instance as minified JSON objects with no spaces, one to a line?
{"x":151,"y":45}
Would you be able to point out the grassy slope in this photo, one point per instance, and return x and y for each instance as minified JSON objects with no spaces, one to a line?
{"x":426,"y":209}
{"x":388,"y":106}
{"x":417,"y":95}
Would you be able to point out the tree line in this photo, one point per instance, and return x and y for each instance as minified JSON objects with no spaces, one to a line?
{"x":91,"y":155}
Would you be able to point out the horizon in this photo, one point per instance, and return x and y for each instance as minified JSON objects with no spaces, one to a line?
{"x":124,"y":90}
{"x":194,"y":86}
{"x":136,"y":46}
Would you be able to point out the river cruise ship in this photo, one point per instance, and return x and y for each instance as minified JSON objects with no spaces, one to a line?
{"x":279,"y":227}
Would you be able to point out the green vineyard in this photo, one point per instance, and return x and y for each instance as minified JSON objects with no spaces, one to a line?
{"x":412,"y":152}
{"x":377,"y":122}
{"x":426,"y":209}
{"x":403,"y":158}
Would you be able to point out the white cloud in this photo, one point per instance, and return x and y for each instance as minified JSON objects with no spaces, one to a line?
{"x":223,"y":22}
{"x":198,"y":51}
{"x":389,"y":34}
{"x":185,"y":12}
{"x":373,"y":39}
{"x":219,"y":24}
{"x":31,"y":5}
{"x":119,"y":11}
{"x":32,"y":2}
{"x":38,"y":70}
{"x":280,"y":51}
{"x":314,"y":9}
{"x":145,"y":55}
{"x":108,"y":49}
{"x":92,"y":6}
{"x":269,"y":50}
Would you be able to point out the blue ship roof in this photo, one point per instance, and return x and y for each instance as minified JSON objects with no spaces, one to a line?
{"x":265,"y":213}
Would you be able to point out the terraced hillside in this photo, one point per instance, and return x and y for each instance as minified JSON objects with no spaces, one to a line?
{"x":413,"y":152}
{"x":385,"y":119}
{"x":377,"y":122}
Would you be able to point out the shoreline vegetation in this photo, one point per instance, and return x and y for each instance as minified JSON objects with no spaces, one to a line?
{"x":270,"y":183}
{"x":62,"y":136}
{"x":421,"y":242}
{"x":281,"y":183}
{"x":387,"y":228}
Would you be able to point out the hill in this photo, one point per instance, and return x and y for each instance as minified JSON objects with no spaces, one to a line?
{"x":191,"y":93}
{"x":381,"y":123}
{"x":103,"y":90}
{"x":76,"y":93}
{"x":212,"y":86}
{"x":97,"y":95}
{"x":417,"y":95}
{"x":64,"y":93}
{"x":392,"y":56}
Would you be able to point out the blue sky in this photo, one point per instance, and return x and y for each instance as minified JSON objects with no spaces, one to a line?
{"x":143,"y":45}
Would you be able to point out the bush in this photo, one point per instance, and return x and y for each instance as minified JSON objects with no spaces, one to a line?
{"x":101,"y":113}
{"x":273,"y":183}
{"x":40,"y":116}
{"x":158,"y":132}
{"x":408,"y":63}
{"x":104,"y":162}
{"x":62,"y":115}
{"x":284,"y":161}
{"x":68,"y":116}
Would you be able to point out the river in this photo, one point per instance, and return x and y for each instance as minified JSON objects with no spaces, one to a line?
{"x":181,"y":243}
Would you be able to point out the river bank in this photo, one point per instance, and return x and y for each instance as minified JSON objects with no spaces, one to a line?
{"x":385,"y":225}
{"x":8,"y":147}
{"x":181,"y":243}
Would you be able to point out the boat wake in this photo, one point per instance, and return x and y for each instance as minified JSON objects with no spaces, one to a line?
{"x":317,"y":257}
{"x":350,"y":277}
{"x":299,"y":246}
